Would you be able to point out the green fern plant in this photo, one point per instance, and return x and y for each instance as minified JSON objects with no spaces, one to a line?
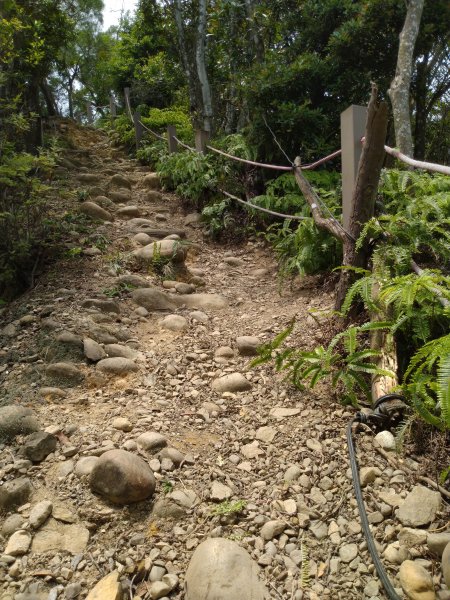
{"x":427,"y":382}
{"x":345,"y":362}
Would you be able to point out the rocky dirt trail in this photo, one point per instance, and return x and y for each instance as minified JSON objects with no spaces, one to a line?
{"x":141,"y":457}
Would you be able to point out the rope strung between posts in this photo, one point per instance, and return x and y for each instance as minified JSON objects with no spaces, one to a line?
{"x":266,"y":210}
{"x":307,"y":167}
{"x":183,"y":145}
{"x":159,"y":137}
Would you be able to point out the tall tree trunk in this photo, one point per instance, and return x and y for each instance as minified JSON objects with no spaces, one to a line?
{"x":70,"y":97}
{"x":257,"y":41}
{"x":400,"y":85}
{"x":47,"y":92}
{"x":421,"y":109}
{"x":188,"y":71}
{"x":200,"y":57}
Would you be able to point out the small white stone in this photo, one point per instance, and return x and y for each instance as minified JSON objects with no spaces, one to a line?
{"x":40,"y":513}
{"x":386,"y":440}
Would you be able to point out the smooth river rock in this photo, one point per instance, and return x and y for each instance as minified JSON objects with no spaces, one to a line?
{"x":153,"y":299}
{"x":170,"y":250}
{"x":95,"y":211}
{"x":416,"y":582}
{"x":247,"y":345}
{"x":122,"y":477}
{"x":221,"y":570}
{"x":117,"y":366}
{"x":174,"y":323}
{"x":234,"y":382}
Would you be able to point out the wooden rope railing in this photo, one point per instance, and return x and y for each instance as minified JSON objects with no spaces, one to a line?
{"x":260,"y":208}
{"x":183,"y":145}
{"x":276,"y":167}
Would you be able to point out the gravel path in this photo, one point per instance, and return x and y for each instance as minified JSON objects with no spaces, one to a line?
{"x":236,"y":452}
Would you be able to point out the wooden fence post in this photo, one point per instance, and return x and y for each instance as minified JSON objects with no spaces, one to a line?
{"x":171,"y":141}
{"x":90,"y":114}
{"x":201,"y":139}
{"x":112,"y":107}
{"x":353,"y":126}
{"x":138,"y":129}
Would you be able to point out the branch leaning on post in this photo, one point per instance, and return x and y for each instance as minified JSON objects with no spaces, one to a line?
{"x":331,"y":224}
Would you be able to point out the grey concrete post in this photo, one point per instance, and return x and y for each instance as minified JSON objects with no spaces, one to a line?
{"x":112,"y":107}
{"x":171,"y":134}
{"x":90,"y":114}
{"x":138,"y":129}
{"x":353,"y":126}
{"x":201,"y":139}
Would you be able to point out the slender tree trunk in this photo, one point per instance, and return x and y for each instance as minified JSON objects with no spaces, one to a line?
{"x":70,"y":97}
{"x":200,"y":57}
{"x":188,"y":71}
{"x":400,"y":86}
{"x":257,"y":41}
{"x":421,"y":109}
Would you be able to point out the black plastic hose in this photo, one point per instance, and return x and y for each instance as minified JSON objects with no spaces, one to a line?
{"x":392,"y":594}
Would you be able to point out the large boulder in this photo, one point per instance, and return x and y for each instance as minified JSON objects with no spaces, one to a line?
{"x":122,"y":477}
{"x":121,"y":196}
{"x":153,"y":299}
{"x":220,"y":568}
{"x":14,"y":420}
{"x":151,"y":181}
{"x":95,"y":211}
{"x":120,"y":181}
{"x":170,"y":250}
{"x":65,"y":373}
{"x":117,"y":365}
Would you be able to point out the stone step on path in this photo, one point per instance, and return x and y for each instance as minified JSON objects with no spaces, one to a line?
{"x":220,"y":460}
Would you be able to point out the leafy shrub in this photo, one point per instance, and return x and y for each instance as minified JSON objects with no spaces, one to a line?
{"x":158,"y":119}
{"x":122,"y":130}
{"x":301,"y":247}
{"x":25,"y":226}
{"x":189,"y":174}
